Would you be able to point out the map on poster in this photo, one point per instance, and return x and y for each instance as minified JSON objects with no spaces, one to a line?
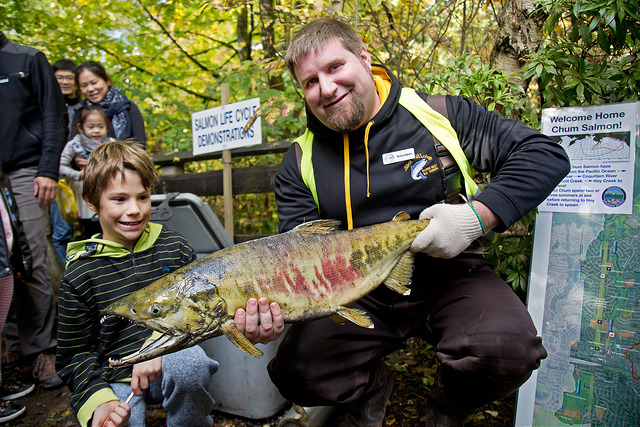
{"x":584,"y":297}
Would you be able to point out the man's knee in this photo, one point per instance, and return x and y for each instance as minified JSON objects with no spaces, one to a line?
{"x":507,"y":356}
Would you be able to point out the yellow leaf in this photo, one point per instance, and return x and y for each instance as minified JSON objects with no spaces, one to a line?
{"x":287,"y":107}
{"x":272,"y":116}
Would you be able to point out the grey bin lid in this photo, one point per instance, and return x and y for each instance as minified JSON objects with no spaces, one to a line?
{"x":187,"y":214}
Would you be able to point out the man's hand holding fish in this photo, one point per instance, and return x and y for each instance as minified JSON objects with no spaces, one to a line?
{"x":260,"y":322}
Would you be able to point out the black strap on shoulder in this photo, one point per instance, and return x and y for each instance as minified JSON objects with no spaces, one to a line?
{"x":449,"y":166}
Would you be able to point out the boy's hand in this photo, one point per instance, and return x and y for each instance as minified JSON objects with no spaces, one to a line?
{"x":111,"y":414}
{"x":145,"y":373}
{"x":261,"y":322}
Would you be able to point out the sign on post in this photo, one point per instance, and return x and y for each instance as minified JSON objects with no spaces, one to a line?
{"x":221,"y":128}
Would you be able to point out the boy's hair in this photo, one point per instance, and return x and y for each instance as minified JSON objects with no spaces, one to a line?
{"x":65,"y":65}
{"x":84,"y":112}
{"x":113,"y":158}
{"x":314,"y":34}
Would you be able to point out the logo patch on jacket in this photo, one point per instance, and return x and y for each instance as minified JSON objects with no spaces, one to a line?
{"x":421,"y":166}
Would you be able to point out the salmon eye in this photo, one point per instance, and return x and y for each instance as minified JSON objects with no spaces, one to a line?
{"x":155,"y":309}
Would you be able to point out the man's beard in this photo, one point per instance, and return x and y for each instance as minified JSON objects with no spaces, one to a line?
{"x":346,"y":121}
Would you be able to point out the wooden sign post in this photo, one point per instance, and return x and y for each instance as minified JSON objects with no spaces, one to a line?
{"x":227,"y":183}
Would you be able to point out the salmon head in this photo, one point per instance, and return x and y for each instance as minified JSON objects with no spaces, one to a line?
{"x":184,"y":308}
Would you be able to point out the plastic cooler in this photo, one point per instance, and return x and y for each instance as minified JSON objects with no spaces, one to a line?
{"x":243,"y":386}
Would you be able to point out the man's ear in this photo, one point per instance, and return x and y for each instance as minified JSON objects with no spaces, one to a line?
{"x":364,"y":56}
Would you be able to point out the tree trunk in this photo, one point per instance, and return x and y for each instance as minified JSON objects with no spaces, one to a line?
{"x":244,"y":43}
{"x":519,"y":33}
{"x":267,"y":19}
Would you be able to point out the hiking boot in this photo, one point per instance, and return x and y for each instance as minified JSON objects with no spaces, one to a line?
{"x":15,"y":390}
{"x":10,"y":410}
{"x":369,"y":410}
{"x":45,"y":371}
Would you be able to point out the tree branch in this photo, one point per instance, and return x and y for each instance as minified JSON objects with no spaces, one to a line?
{"x":174,"y":41}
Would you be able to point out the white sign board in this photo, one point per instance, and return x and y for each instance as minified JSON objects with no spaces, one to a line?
{"x":221,"y":128}
{"x":583,"y":288}
{"x":599,"y":140}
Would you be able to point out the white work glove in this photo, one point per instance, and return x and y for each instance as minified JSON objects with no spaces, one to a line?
{"x":451,"y":230}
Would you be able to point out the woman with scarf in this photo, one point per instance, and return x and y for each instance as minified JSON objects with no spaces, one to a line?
{"x":125,"y":120}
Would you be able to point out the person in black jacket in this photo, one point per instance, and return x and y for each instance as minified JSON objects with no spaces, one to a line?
{"x":33,"y":123}
{"x":371,"y":158}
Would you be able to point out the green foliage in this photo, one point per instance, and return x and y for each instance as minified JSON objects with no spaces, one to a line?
{"x":470,"y":77}
{"x":510,"y":254}
{"x":591,"y":55}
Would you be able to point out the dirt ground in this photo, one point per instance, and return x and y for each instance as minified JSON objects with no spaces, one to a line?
{"x":413,"y":367}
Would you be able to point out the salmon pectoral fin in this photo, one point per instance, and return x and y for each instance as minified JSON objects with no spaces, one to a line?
{"x":400,"y":277}
{"x":338,"y":319}
{"x":236,"y":337}
{"x":357,"y":316}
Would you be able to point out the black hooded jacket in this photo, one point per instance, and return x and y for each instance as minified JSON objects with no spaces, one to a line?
{"x":33,"y":115}
{"x":525,"y":166}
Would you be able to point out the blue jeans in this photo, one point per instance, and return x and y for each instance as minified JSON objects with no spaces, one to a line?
{"x":184,"y":389}
{"x":61,"y":231}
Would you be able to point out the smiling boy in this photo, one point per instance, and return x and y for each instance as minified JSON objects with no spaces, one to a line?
{"x":130,"y":254}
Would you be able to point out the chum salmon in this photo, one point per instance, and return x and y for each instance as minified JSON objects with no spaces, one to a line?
{"x":313,"y":271}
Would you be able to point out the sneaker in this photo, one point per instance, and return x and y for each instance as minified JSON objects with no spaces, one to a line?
{"x":15,"y":390}
{"x":10,"y":410}
{"x":44,"y":370}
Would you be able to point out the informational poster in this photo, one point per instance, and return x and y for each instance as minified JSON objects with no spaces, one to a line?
{"x":223,"y":128}
{"x":584,"y":292}
{"x":598,"y":140}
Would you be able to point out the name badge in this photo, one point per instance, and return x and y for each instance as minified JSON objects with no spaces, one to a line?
{"x":398,"y":156}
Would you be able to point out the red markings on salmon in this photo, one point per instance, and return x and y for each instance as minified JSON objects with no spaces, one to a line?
{"x":336,"y":271}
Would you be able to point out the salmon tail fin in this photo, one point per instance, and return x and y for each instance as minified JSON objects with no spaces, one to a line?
{"x":238,"y":339}
{"x":357,"y":316}
{"x":400,"y":277}
{"x":319,"y":226}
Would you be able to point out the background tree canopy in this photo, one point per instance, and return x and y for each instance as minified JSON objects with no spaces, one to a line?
{"x":172,"y":56}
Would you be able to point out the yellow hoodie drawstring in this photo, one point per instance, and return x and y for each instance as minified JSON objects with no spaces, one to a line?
{"x":347,"y":181}
{"x":366,"y":151}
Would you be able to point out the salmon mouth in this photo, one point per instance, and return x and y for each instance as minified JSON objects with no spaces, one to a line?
{"x":153,"y":350}
{"x":170,"y":341}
